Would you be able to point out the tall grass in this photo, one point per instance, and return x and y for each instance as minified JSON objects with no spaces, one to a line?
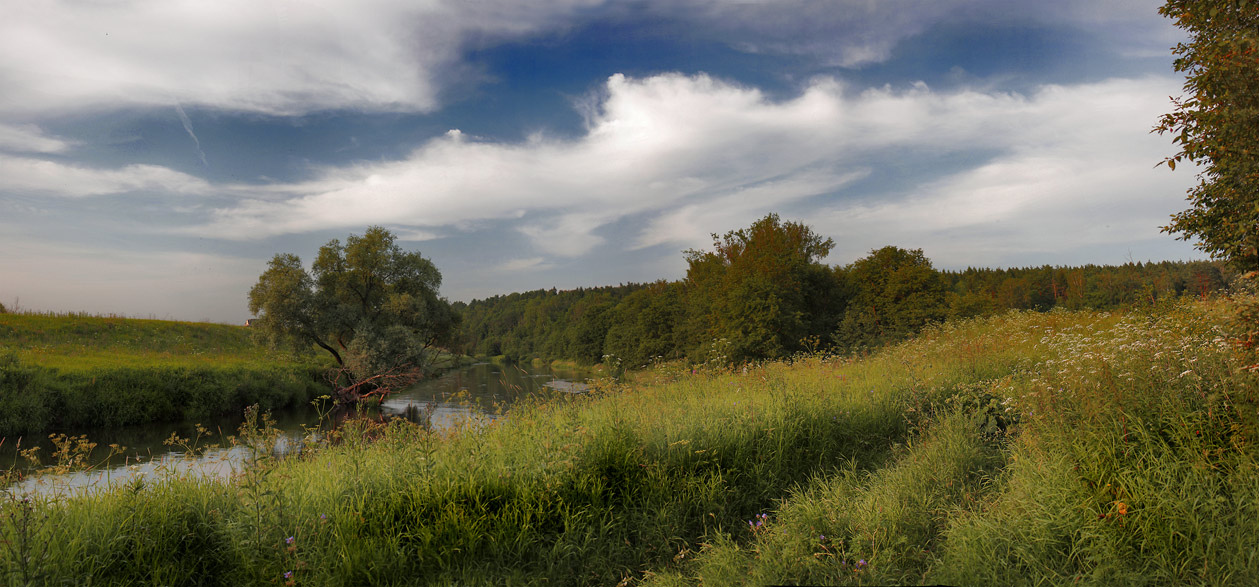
{"x":1029,"y":448}
{"x":75,"y":371}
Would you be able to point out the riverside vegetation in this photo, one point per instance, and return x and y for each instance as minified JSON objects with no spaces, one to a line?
{"x":1108,"y":448}
{"x":67,"y":371}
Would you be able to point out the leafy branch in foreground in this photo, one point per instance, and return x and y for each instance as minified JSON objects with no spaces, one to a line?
{"x":1216,"y":124}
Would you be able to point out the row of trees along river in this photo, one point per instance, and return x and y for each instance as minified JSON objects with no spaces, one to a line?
{"x":762,"y":292}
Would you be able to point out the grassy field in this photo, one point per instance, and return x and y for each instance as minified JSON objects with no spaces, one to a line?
{"x":1024,"y":449}
{"x":68,"y":371}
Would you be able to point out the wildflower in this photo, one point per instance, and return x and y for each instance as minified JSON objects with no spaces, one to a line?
{"x":290,"y":540}
{"x":861,"y":563}
{"x":288,"y":574}
{"x":1122,"y":508}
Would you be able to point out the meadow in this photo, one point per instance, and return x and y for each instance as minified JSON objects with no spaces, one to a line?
{"x":1028,"y":448}
{"x":74,"y":371}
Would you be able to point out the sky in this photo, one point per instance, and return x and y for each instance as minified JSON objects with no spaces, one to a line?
{"x":156,"y":154}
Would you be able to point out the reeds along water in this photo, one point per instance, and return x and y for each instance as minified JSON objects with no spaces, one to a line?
{"x":1018,"y":449}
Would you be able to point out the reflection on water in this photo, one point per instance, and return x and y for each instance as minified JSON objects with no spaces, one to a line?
{"x":482,"y":390}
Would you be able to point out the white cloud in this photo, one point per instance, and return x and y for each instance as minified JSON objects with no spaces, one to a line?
{"x":272,"y":56}
{"x":288,"y":57}
{"x":653,"y":142}
{"x":28,"y":138}
{"x":529,"y":264}
{"x":1080,"y":174}
{"x":695,"y":155}
{"x":30,"y":175}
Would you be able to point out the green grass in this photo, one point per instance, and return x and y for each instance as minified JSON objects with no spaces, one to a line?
{"x":71,"y":371}
{"x":74,"y":342}
{"x":1024,"y":449}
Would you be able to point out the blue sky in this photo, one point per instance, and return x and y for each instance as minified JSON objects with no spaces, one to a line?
{"x":155,"y":154}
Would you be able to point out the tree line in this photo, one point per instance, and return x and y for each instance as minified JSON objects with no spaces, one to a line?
{"x":763,"y":293}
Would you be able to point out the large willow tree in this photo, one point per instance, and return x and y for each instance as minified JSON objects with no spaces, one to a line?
{"x":372,"y":306}
{"x":1216,"y":125}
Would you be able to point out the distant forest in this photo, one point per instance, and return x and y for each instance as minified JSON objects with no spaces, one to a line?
{"x":762,"y":293}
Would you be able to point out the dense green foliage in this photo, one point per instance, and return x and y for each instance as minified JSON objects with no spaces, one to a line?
{"x":1216,"y":125}
{"x":763,"y":290}
{"x":71,"y":371}
{"x":1027,"y":448}
{"x":371,"y":305}
{"x":541,"y":323}
{"x":762,"y":293}
{"x":897,"y":293}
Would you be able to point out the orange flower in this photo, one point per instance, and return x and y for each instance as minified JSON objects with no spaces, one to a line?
{"x":1122,"y":508}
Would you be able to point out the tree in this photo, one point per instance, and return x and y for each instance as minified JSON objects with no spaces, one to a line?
{"x":897,"y":293}
{"x":642,"y":326}
{"x":369,"y":304}
{"x":762,"y":289}
{"x":1217,"y":125}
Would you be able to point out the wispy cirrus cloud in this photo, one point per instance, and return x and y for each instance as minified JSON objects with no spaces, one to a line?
{"x":284,"y":57}
{"x":34,"y":176}
{"x":29,"y":138}
{"x":274,"y":56}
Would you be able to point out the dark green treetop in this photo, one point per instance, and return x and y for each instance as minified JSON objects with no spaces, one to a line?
{"x":897,"y":293}
{"x":760,"y":288}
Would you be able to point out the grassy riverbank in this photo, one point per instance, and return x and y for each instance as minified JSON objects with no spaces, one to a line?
{"x":72,"y":371}
{"x":1020,"y":449}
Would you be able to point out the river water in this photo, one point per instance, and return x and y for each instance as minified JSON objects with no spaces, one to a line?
{"x":481,"y":390}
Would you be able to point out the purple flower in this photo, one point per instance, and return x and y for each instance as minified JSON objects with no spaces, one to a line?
{"x":861,"y":563}
{"x":289,"y":540}
{"x":288,"y":574}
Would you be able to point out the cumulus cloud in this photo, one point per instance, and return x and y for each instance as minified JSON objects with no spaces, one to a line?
{"x":694,"y":155}
{"x":1080,"y":174}
{"x":654,"y":141}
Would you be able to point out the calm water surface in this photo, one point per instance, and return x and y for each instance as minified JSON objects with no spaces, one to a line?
{"x":482,"y":390}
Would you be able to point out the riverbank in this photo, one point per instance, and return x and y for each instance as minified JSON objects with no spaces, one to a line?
{"x":71,"y":371}
{"x":1027,"y":448}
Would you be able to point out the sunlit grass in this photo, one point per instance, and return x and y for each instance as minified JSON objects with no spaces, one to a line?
{"x":1021,"y":449}
{"x":79,"y":342}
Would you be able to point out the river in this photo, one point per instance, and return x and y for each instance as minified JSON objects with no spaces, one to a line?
{"x":482,"y":390}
